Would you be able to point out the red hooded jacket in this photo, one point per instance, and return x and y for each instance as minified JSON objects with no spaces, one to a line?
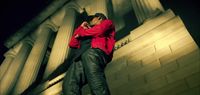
{"x":103,"y":36}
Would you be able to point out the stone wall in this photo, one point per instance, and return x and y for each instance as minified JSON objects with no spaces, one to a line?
{"x":160,"y":59}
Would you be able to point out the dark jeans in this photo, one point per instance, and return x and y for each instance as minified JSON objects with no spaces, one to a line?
{"x":90,"y":69}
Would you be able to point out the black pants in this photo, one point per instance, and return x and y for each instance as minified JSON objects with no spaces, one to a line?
{"x":90,"y":69}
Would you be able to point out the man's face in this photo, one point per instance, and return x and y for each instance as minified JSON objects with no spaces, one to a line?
{"x":95,"y":21}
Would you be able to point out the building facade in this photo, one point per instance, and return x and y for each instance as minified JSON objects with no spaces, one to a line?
{"x":154,"y":53}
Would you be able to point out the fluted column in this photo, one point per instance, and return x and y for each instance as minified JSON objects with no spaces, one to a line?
{"x":10,"y":77}
{"x":60,"y":48}
{"x":9,"y":56}
{"x":145,"y":9}
{"x":5,"y":64}
{"x":33,"y":63}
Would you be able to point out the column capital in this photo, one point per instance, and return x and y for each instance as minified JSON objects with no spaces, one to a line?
{"x":10,"y":53}
{"x":29,"y":40}
{"x":49,"y":24}
{"x":55,"y":21}
{"x":13,"y":51}
{"x":44,"y":27}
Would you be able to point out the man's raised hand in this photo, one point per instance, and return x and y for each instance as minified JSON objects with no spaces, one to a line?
{"x":85,"y":25}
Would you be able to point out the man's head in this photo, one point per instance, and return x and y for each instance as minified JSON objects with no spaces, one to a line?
{"x":97,"y":18}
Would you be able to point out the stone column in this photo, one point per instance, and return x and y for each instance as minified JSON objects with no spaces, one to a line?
{"x":5,"y":64}
{"x":9,"y":56}
{"x":98,"y":6}
{"x":101,"y":6}
{"x":145,"y":9}
{"x":60,"y":48}
{"x":10,"y":77}
{"x":34,"y":61}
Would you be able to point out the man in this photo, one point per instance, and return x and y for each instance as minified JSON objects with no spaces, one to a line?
{"x":95,"y":43}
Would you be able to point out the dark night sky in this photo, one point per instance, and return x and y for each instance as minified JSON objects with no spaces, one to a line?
{"x":16,"y":13}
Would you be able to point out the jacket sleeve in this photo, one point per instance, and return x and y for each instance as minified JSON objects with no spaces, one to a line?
{"x":97,"y":30}
{"x":75,"y":43}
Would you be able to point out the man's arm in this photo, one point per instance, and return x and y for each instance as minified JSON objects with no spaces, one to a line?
{"x":74,"y":42}
{"x":96,"y":30}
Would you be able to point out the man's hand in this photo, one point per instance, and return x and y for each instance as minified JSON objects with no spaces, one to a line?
{"x":76,"y":36}
{"x":85,"y":25}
